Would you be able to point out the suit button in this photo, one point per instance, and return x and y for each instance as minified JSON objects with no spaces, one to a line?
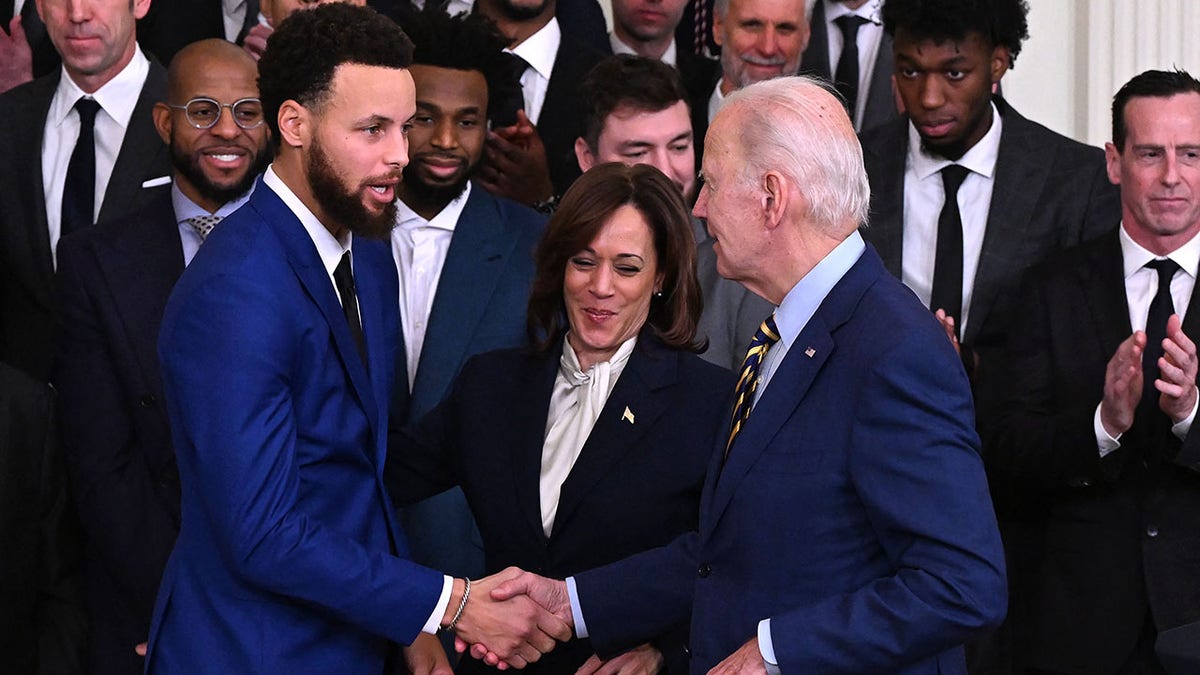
{"x":1152,"y":531}
{"x":146,"y":401}
{"x":704,"y":571}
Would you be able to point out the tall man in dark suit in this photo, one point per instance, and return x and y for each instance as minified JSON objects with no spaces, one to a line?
{"x":113,"y":282}
{"x":1099,"y":388}
{"x":464,"y":257}
{"x":278,"y":349}
{"x":62,"y":171}
{"x":849,"y":48}
{"x":845,"y":525}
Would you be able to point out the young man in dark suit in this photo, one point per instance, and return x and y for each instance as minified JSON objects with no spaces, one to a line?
{"x":112,"y":285}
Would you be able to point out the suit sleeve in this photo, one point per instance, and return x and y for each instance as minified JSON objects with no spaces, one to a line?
{"x":233,"y":335}
{"x":129,"y":525}
{"x":914,"y":464}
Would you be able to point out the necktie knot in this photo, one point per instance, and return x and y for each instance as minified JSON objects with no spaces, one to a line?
{"x":952,"y":179}
{"x":766,"y":335}
{"x":203,"y":225}
{"x":849,"y":25}
{"x":87,"y":109}
{"x":1166,"y":269}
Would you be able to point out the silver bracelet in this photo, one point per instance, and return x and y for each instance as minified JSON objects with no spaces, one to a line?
{"x":462,"y":604}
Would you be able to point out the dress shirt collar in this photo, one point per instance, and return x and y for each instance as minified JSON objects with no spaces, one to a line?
{"x":980,"y":159}
{"x":540,"y":49}
{"x":869,"y":11}
{"x":806,"y":296}
{"x":619,"y":47}
{"x":446,"y":219}
{"x":328,"y":246}
{"x":186,"y":208}
{"x":117,"y":98}
{"x":1135,"y":257}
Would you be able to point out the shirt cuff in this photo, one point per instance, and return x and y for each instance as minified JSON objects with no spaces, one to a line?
{"x":767,"y":648}
{"x":1181,"y":428}
{"x":581,"y":630}
{"x":439,"y":610}
{"x":1104,"y":442}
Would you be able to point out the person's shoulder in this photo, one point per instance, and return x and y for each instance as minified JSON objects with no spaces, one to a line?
{"x":1038,"y":136}
{"x":883,"y":138}
{"x":19,"y":99}
{"x":516,"y":215}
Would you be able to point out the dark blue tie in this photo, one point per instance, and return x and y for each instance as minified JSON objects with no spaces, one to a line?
{"x":767,"y":335}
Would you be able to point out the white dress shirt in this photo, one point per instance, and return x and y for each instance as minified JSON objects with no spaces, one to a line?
{"x":117,"y":99}
{"x":539,"y":51}
{"x":186,"y":208}
{"x":419,"y":247}
{"x":18,"y":5}
{"x":619,"y":47}
{"x":870,"y":34}
{"x":1141,"y":285}
{"x":233,"y":12}
{"x":924,"y":196}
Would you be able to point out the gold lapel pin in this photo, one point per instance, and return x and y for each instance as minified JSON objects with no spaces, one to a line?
{"x":628,"y":415}
{"x":810,"y":352}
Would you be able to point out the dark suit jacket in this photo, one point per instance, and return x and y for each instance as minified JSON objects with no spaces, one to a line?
{"x":479,"y":306}
{"x":881,"y":102}
{"x":700,"y":76}
{"x":171,"y":25}
{"x":1050,"y":193}
{"x":27,"y":311}
{"x":853,"y":509}
{"x":561,"y":120}
{"x":1122,"y":532}
{"x":635,"y":485}
{"x":288,"y":558}
{"x":113,"y":283}
{"x":42,"y":622}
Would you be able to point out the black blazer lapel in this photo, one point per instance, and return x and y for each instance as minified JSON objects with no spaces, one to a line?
{"x":143,"y":155}
{"x":1101,"y":282}
{"x":537,"y":378}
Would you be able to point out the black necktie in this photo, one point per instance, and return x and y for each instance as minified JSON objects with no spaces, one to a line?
{"x":767,"y":335}
{"x":846,"y":77}
{"x":79,"y":190}
{"x":343,"y":278}
{"x":948,"y":259}
{"x":510,"y":95}
{"x":1161,"y":309}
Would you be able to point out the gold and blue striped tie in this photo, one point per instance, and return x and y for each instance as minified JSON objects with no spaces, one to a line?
{"x":766,"y":336}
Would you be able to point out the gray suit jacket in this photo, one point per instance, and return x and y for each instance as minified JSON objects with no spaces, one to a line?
{"x":731,"y":313}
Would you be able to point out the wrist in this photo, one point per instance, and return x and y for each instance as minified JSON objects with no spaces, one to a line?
{"x":460,"y":593}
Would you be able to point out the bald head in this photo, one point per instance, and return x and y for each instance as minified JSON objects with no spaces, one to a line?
{"x":198,"y":57}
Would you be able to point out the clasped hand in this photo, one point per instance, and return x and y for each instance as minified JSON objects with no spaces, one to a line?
{"x":513,"y":617}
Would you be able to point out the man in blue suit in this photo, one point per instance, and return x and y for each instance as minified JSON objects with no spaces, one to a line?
{"x":464,"y":257}
{"x":277,"y":349}
{"x":845,"y":525}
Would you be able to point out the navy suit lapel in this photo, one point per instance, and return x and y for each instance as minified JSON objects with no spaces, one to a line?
{"x":538,"y":378}
{"x":306,"y":263}
{"x":142,"y":151}
{"x":1022,"y":169}
{"x":478,"y":254}
{"x":885,"y":164}
{"x":651,"y":368}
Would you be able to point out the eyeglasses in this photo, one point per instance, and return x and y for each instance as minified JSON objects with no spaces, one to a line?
{"x":204,"y":113}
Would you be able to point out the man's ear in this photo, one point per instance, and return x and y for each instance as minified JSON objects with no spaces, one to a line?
{"x":163,"y":121}
{"x":583,"y":155}
{"x":775,"y":198}
{"x":295,"y":124}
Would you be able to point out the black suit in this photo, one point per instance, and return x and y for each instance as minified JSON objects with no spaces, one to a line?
{"x":561,"y":119}
{"x":26,"y":268}
{"x":700,"y":76}
{"x":881,"y":102}
{"x":1122,"y":532}
{"x":635,"y":486}
{"x":42,"y":624}
{"x":171,"y":25}
{"x":113,"y":283}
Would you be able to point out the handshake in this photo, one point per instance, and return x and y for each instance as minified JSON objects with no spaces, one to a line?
{"x":509,"y":619}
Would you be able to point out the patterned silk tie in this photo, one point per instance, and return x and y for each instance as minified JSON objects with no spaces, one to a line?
{"x":203,"y":225}
{"x":766,"y":336}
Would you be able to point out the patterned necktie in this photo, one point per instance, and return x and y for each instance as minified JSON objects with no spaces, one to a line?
{"x":79,"y":188}
{"x":1161,"y":309}
{"x":947,"y":288}
{"x":766,"y":336}
{"x":203,"y":225}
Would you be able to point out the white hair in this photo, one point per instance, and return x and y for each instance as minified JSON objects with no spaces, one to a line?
{"x":795,"y":126}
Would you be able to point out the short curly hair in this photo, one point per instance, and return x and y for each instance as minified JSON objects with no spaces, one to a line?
{"x":307,"y":47}
{"x":461,"y":42}
{"x":1001,"y":22}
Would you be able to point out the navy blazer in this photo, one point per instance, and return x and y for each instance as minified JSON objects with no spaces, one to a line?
{"x":288,"y":558}
{"x":113,"y":282}
{"x":27,"y":308}
{"x":635,"y":486}
{"x":479,"y":306}
{"x":853,"y":510}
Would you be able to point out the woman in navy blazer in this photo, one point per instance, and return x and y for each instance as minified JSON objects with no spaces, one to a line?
{"x":615,"y":297}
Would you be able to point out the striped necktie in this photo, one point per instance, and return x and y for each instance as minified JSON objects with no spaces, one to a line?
{"x":766,"y":336}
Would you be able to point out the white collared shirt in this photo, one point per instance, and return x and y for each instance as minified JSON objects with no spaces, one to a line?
{"x":419,"y":247}
{"x":186,"y":208}
{"x":619,"y":47}
{"x":117,"y":99}
{"x":18,"y":5}
{"x":924,"y":196}
{"x":331,"y":250}
{"x":539,"y":51}
{"x":1141,"y":285}
{"x":870,"y":34}
{"x":233,"y":12}
{"x":715,"y":102}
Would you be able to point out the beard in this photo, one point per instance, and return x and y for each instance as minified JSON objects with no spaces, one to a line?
{"x":520,"y":13}
{"x":344,"y":206}
{"x":951,"y":150}
{"x":419,"y":192}
{"x":188,"y":165}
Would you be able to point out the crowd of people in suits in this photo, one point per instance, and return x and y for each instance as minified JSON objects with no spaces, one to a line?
{"x":764,"y":334}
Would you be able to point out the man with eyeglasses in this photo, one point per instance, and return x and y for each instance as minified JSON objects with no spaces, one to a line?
{"x":113,"y":282}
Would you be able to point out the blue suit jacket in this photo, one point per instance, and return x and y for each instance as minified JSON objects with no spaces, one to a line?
{"x":287,"y":558}
{"x":852,"y":511}
{"x":479,"y":306}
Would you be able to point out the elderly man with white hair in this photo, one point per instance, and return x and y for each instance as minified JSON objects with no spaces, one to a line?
{"x":845,"y":525}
